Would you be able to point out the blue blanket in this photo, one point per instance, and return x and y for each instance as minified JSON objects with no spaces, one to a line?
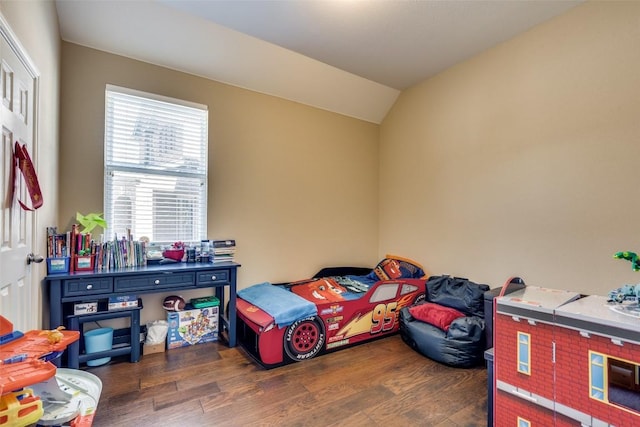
{"x":284,"y":306}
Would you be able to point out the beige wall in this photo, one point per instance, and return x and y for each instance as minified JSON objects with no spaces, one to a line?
{"x":520,"y":161}
{"x":294,"y":185}
{"x":35,"y":24}
{"x":523,"y":160}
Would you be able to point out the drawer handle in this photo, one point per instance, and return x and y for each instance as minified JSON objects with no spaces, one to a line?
{"x":89,"y":286}
{"x":157,"y":281}
{"x":213,"y":277}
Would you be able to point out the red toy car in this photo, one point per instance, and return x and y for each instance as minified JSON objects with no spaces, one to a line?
{"x":349,"y":309}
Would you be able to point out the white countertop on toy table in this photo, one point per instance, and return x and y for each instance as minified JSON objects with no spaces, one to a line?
{"x":596,"y":309}
{"x":537,"y":299}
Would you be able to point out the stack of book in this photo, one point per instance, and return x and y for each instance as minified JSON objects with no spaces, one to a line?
{"x":224,"y":250}
{"x":58,"y":258}
{"x":57,"y":243}
{"x":120,"y":253}
{"x":113,"y":255}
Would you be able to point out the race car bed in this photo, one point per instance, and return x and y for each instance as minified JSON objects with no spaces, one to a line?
{"x":337,"y":308}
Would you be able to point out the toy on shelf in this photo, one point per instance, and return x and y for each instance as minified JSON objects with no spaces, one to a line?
{"x":626,"y":297}
{"x":91,"y":221}
{"x":625,"y":293}
{"x":54,"y":336}
{"x":33,"y":390}
{"x":626,"y":300}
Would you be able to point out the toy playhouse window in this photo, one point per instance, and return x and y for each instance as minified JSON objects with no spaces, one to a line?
{"x":523,"y":423}
{"x":524,"y":353}
{"x":614,"y":381}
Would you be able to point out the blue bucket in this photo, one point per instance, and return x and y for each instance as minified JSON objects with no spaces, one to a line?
{"x":97,"y":340}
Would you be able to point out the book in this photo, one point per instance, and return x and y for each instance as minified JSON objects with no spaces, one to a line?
{"x":57,"y":243}
{"x":72,"y":250}
{"x":229,"y":243}
{"x":223,"y":250}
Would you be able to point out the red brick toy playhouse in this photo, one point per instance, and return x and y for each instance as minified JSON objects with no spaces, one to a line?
{"x":563,"y":360}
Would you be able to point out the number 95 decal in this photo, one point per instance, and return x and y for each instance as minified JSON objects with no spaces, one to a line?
{"x":383,"y":317}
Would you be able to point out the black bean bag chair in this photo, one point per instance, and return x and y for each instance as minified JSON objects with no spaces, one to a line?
{"x":448,"y":326}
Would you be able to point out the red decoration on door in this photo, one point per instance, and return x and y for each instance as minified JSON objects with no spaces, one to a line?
{"x":22,"y":160}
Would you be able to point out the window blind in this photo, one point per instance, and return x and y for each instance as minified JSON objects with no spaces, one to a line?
{"x":155,"y":167}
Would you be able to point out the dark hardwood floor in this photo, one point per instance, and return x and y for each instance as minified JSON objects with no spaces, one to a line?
{"x":380,"y":383}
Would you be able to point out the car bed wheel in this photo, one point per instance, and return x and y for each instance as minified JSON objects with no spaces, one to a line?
{"x":304,"y":339}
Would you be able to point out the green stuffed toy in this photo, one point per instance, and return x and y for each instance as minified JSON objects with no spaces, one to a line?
{"x":629,"y":256}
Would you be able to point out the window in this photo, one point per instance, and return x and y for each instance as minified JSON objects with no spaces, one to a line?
{"x":614,"y":381}
{"x":596,"y":375}
{"x":155,"y":167}
{"x":407,"y":289}
{"x":384,"y":292}
{"x":523,"y":423}
{"x":524,"y":353}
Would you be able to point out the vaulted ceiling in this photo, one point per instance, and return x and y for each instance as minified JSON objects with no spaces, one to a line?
{"x":352,"y":57}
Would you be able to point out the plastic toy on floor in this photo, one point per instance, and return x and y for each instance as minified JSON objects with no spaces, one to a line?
{"x":71,"y":396}
{"x":33,"y":390}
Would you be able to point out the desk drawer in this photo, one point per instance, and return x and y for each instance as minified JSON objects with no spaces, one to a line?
{"x":213,"y":276}
{"x":87,"y":286}
{"x":153,"y":281}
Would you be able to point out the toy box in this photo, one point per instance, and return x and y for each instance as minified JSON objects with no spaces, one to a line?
{"x":192,"y":326}
{"x":153,"y":348}
{"x":85,"y":308}
{"x":123,"y":301}
{"x":203,"y":302}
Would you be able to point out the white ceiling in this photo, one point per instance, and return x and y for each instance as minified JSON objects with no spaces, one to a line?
{"x":352,"y":57}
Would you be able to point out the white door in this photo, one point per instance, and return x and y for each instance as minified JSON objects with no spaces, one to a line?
{"x":19,"y":296}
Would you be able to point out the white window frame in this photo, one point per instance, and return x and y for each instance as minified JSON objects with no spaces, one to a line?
{"x":158,"y":180}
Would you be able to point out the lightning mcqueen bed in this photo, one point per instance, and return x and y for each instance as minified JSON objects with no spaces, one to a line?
{"x":338,"y":308}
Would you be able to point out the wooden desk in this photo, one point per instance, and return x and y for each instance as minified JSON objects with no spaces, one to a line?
{"x":64,"y":290}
